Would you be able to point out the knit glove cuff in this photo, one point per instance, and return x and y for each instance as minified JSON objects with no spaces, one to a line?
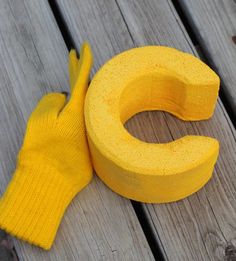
{"x":34,"y":203}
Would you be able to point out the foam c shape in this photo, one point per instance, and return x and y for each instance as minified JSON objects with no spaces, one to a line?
{"x":151,"y":78}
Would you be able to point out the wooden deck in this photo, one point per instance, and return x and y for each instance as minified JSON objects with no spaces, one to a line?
{"x":35,"y":37}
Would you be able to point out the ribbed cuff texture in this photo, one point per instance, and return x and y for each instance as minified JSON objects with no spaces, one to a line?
{"x":34,"y":203}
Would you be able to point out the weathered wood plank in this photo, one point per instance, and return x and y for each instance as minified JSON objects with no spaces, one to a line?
{"x":214,"y":23}
{"x":98,"y":225}
{"x":7,"y":252}
{"x":201,"y":227}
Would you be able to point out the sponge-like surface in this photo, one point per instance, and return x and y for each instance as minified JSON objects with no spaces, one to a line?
{"x":151,"y":78}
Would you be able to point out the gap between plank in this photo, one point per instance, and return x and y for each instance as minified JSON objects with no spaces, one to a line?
{"x":148,"y":231}
{"x":65,"y":32}
{"x":203,"y":54}
{"x":143,"y":220}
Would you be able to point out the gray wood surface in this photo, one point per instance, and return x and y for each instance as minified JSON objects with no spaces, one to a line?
{"x":214,"y":23}
{"x":98,"y":225}
{"x":201,"y":227}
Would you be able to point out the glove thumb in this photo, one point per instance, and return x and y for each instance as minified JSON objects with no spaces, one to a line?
{"x":49,"y":106}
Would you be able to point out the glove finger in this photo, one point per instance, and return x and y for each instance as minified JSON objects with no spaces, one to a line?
{"x":73,"y":68}
{"x":83,"y":67}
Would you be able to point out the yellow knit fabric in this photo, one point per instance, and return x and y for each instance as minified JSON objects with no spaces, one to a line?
{"x":53,"y":164}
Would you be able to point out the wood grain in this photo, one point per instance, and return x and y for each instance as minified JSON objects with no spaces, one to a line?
{"x":201,"y":227}
{"x":214,"y":24}
{"x":98,"y":225}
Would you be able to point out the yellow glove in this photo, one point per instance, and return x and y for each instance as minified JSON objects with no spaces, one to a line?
{"x":53,"y":164}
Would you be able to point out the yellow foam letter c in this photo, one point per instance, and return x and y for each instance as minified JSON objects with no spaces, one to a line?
{"x":151,"y":78}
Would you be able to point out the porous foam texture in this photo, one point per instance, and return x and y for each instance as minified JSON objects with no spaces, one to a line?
{"x":151,"y":78}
